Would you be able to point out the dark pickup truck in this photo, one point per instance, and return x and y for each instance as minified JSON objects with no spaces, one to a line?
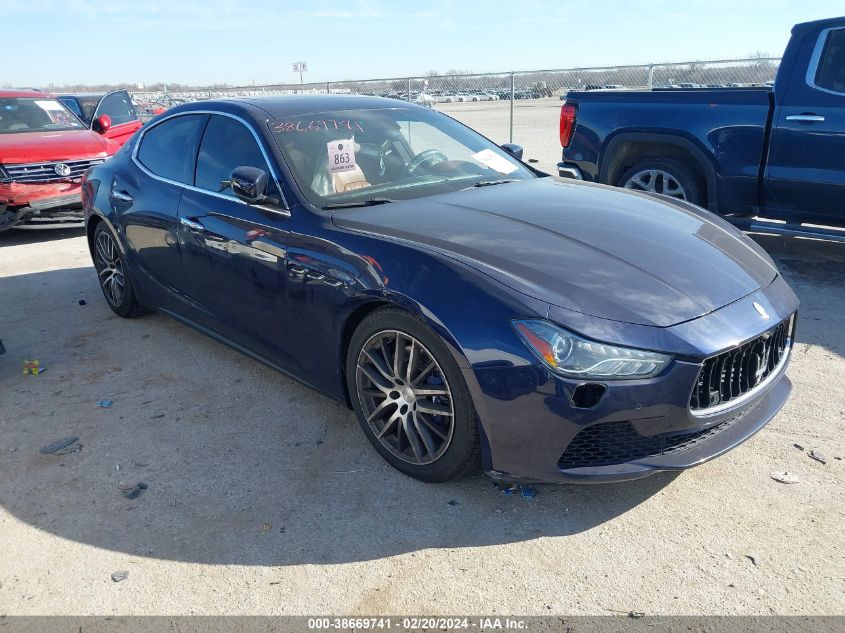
{"x":776,"y":155}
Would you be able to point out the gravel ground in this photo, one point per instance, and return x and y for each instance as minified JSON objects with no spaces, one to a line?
{"x":264,"y":497}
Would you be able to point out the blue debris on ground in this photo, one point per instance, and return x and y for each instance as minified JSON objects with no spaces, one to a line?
{"x":104,"y":404}
{"x":528,"y":492}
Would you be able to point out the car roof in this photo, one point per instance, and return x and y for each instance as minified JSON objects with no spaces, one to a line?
{"x":292,"y":105}
{"x":822,"y":22}
{"x":13,"y":94}
{"x":87,"y":95}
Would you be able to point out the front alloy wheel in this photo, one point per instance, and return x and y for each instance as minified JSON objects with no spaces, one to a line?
{"x":405,"y":397}
{"x":410,"y":397}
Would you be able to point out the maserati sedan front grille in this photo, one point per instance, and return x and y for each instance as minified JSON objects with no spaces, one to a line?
{"x":741,"y":371}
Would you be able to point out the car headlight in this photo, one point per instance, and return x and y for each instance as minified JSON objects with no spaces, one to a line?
{"x":577,"y":357}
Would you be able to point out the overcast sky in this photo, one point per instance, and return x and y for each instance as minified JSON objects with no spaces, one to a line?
{"x":217,"y":41}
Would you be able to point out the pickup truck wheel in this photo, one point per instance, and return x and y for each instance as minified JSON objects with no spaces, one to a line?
{"x":664,"y":176}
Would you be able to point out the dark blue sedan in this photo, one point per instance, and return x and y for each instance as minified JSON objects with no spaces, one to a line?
{"x":466,"y":306}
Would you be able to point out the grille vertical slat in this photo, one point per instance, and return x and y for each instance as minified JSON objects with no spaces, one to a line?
{"x":734,"y":373}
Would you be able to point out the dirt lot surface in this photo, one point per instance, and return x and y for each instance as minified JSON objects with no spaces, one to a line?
{"x":265,"y":498}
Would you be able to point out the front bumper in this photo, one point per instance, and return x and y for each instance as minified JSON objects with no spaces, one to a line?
{"x":40,"y":204}
{"x":532,"y":428}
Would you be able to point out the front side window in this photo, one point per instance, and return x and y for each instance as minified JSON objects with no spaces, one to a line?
{"x":830,"y":73}
{"x":395,"y":153}
{"x":168,"y":149}
{"x":28,"y":114}
{"x":118,"y":107}
{"x":226,"y":144}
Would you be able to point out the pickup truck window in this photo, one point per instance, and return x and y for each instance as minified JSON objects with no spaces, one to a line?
{"x":26,"y":114}
{"x":830,"y":73}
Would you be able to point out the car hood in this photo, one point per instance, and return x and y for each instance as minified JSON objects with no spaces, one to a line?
{"x":598,"y":250}
{"x":37,"y":147}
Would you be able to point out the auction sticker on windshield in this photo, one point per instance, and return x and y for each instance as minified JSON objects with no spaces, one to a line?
{"x":341,"y":155}
{"x":491,"y":159}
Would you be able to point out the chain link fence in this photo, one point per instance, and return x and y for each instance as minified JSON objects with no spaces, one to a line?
{"x":519,"y":107}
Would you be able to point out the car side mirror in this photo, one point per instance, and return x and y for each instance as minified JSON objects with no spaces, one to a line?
{"x":513,"y":149}
{"x":249,"y":184}
{"x":102,"y":124}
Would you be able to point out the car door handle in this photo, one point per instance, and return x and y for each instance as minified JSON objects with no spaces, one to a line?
{"x":119,"y":194}
{"x":806,"y":118}
{"x":192,"y":224}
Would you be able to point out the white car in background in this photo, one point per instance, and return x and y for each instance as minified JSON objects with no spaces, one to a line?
{"x":425,"y":99}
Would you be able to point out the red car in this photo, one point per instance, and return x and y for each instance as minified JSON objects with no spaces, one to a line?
{"x":44,"y":150}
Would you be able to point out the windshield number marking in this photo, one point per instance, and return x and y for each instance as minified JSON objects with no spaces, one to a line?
{"x":315,"y":125}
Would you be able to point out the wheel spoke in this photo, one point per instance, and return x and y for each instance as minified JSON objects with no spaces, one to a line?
{"x":656,"y":181}
{"x":390,"y":422}
{"x":425,"y":436}
{"x":425,"y":372}
{"x":412,"y":359}
{"x":431,"y":391}
{"x":101,"y":252}
{"x":398,"y":356}
{"x":376,"y":378}
{"x":413,"y":438}
{"x":378,"y":363}
{"x":431,"y":407}
{"x":379,"y":409}
{"x":430,"y":424}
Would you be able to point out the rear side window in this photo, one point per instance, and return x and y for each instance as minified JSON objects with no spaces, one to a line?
{"x":170,"y":148}
{"x":226,"y":144}
{"x":831,"y":69}
{"x":119,"y":108}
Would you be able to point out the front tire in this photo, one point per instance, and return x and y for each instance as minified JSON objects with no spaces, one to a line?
{"x":111,"y":267}
{"x":410,"y":397}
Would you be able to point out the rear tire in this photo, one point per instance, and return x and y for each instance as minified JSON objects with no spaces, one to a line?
{"x":416,"y":411}
{"x":113,"y":275}
{"x":665,"y":176}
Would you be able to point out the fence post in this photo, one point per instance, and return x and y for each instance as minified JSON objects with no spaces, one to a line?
{"x":510,"y":140}
{"x":409,"y":89}
{"x":651,"y":77}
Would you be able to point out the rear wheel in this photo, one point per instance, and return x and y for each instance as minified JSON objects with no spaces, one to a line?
{"x":110,"y":264}
{"x":410,"y":397}
{"x":665,"y":176}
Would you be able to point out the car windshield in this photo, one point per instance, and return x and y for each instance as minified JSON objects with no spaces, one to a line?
{"x":35,"y":114}
{"x":380,"y":155}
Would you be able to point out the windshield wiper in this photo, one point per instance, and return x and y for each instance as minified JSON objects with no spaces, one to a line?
{"x":369,"y":202}
{"x":488,"y":183}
